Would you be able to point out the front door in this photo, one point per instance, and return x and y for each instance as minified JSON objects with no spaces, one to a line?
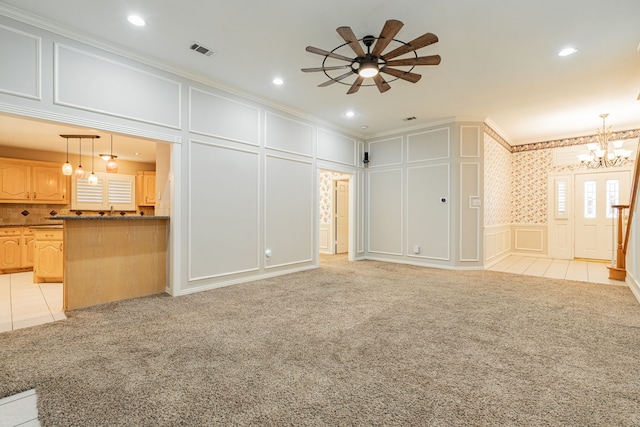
{"x":595,"y":193}
{"x":342,"y":216}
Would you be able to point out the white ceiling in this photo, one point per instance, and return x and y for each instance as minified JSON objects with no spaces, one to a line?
{"x":499,"y":58}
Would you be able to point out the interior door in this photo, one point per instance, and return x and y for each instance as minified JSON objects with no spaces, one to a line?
{"x":342,"y":216}
{"x":595,"y":193}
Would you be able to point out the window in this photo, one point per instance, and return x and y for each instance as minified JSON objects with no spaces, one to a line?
{"x":112,"y":190}
{"x":613,"y":197}
{"x":561,"y":198}
{"x":590,"y":199}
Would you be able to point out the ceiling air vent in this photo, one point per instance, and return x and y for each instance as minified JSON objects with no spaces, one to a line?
{"x":407,"y":119}
{"x":201,"y":49}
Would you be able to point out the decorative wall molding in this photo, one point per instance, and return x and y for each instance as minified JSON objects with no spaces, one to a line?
{"x":556,"y":143}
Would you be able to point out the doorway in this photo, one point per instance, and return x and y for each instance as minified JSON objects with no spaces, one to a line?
{"x":335,"y":212}
{"x":595,"y":193}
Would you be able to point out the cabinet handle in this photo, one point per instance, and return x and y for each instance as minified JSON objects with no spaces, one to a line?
{"x":48,"y":235}
{"x":60,"y":247}
{"x":34,"y":194}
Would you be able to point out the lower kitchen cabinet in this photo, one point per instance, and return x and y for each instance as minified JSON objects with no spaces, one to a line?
{"x":48,"y":255}
{"x":10,"y":248}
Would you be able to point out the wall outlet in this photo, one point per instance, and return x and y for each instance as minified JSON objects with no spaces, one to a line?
{"x":416,"y":249}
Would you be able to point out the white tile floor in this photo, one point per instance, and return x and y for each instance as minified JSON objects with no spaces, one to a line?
{"x":19,"y":410}
{"x":583,"y":270}
{"x":24,"y":303}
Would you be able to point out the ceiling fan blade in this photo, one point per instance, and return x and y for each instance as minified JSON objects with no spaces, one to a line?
{"x":417,"y":43}
{"x":389,"y":31}
{"x":356,"y":85}
{"x":404,"y":75}
{"x":383,"y":86}
{"x":421,"y":60}
{"x":334,"y":80}
{"x":347,"y":34}
{"x":337,"y":67}
{"x":327,"y":53}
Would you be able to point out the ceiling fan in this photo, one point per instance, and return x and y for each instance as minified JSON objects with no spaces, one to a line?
{"x":371,"y":63}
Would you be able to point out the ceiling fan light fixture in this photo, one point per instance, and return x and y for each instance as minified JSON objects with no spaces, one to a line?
{"x":368,"y":69}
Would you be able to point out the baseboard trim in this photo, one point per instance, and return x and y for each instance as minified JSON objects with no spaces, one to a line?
{"x":634,"y":286}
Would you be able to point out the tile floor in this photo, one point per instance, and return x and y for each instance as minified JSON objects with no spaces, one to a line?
{"x":582,"y":270}
{"x":19,"y":410}
{"x":24,"y":303}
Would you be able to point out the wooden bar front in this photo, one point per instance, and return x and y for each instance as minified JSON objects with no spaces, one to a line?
{"x":110,"y":259}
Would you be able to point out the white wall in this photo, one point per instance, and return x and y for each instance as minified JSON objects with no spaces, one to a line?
{"x":241,"y":177}
{"x":424,"y":196}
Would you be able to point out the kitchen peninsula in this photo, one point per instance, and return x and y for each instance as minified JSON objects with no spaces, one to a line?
{"x":112,"y":258}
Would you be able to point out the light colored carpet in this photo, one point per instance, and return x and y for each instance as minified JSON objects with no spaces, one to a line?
{"x":365,"y":343}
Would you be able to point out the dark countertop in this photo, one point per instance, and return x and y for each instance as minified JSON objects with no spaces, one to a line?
{"x":109,"y":218}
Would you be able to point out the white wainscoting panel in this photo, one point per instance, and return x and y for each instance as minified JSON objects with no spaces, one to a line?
{"x":385,"y":212}
{"x":325,"y":239}
{"x":469,"y":141}
{"x":386,"y":152}
{"x":360,"y":208}
{"x":530,"y":239}
{"x":469,"y":211}
{"x":220,"y":117}
{"x":428,"y":145}
{"x":94,"y":83}
{"x":288,"y":135}
{"x":497,"y":243}
{"x":336,"y":148}
{"x":428,"y":217}
{"x":289,"y":212}
{"x":223,"y":211}
{"x":20,"y":56}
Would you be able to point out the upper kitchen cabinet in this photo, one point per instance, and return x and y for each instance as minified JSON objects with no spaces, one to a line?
{"x":28,"y":181}
{"x":146,"y":188}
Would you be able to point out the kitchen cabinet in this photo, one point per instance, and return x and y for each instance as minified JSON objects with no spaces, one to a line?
{"x":27,"y":248}
{"x":48,"y":255}
{"x":10,"y":248}
{"x":16,"y":248}
{"x":146,"y":188}
{"x":27,"y":181}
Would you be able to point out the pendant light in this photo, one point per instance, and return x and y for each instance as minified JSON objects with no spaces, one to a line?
{"x":67,"y":169}
{"x":93,"y":178}
{"x":79,"y":170}
{"x":112,"y":164}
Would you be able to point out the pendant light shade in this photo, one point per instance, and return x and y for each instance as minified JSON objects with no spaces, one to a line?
{"x":67,"y":169}
{"x":93,"y":178}
{"x":79,"y":170}
{"x":112,"y":164}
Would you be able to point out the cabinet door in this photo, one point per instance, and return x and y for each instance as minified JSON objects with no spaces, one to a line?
{"x":14,"y":181}
{"x":10,"y":252}
{"x":150,"y":189}
{"x":28,"y":251}
{"x":48,"y":259}
{"x":48,"y":184}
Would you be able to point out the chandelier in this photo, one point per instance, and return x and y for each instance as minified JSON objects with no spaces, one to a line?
{"x":604,"y":153}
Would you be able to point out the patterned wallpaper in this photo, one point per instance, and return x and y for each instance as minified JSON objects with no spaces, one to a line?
{"x":529,"y":172}
{"x":497,"y":182}
{"x":326,"y":186}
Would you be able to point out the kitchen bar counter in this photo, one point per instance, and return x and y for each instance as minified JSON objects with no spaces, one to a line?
{"x":112,"y":258}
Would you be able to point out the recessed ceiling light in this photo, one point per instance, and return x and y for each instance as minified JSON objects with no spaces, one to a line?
{"x":349,"y":114}
{"x":567,"y":51}
{"x":364,"y":127}
{"x":136,"y":20}
{"x":278,"y":81}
